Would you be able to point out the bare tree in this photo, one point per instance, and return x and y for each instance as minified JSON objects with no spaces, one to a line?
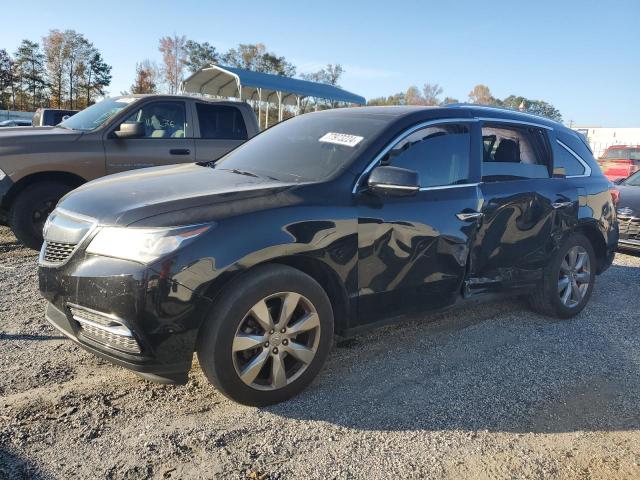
{"x":431,"y":93}
{"x":174,"y":56}
{"x":147,"y":76}
{"x":54,"y":46}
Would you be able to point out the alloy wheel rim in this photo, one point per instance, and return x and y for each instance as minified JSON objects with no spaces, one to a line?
{"x":276,"y":341}
{"x":574,"y":276}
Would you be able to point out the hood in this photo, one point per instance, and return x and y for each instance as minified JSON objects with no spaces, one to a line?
{"x":629,"y":198}
{"x":10,"y":136}
{"x":174,"y":195}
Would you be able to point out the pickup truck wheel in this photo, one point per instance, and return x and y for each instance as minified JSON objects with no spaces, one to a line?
{"x":31,"y":208}
{"x":568,"y":279}
{"x":267,"y":337}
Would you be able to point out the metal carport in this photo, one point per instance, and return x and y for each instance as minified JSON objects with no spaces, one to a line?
{"x":222,"y":81}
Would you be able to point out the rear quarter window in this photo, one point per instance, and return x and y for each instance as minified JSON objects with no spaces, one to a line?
{"x":571,"y":140}
{"x":222,"y":122}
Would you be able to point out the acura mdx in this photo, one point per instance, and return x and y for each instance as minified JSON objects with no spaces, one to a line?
{"x":325,"y":224}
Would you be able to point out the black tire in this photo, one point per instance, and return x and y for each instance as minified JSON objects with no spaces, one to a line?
{"x":31,"y":208}
{"x":217,"y":334}
{"x":547,"y":300}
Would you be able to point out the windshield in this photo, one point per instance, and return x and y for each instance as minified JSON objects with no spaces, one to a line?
{"x":623,"y":153}
{"x":310,"y":147}
{"x":633,"y":180}
{"x":97,"y":115}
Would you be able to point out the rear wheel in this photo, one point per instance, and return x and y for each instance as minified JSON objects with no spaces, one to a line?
{"x":268,"y":336}
{"x":31,"y":208}
{"x":568,"y":279}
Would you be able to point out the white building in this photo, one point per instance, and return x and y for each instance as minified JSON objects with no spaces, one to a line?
{"x":600,"y":138}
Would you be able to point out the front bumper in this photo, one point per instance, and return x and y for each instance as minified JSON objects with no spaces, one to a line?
{"x":162,"y":315}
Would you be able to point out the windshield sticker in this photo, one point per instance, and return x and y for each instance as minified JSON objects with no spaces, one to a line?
{"x":341,"y":139}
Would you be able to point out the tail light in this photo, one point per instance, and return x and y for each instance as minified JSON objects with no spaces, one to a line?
{"x":615,"y":195}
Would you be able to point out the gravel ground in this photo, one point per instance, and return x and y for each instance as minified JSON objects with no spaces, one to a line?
{"x":493,"y":391}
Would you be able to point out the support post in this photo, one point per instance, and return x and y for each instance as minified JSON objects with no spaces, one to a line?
{"x":259,"y":107}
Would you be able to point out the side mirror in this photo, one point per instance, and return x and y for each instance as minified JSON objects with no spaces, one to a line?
{"x":130,"y":130}
{"x":393,"y":181}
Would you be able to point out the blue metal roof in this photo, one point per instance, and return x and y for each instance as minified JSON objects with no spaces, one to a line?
{"x":231,"y":81}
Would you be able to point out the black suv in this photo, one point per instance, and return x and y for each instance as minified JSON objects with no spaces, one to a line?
{"x":327,"y":223}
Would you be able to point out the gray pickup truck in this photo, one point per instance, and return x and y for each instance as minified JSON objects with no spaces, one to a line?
{"x":39,"y":165}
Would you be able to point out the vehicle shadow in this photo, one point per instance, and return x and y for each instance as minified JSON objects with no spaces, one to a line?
{"x":15,"y":468}
{"x":36,"y":338}
{"x":495,"y":367}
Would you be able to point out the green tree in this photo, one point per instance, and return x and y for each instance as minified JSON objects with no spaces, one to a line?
{"x":200,"y":55}
{"x":6,"y":78}
{"x":97,"y":77}
{"x":396,"y":99}
{"x":255,"y":57}
{"x":29,"y":61}
{"x":536,"y":107}
{"x":330,"y":75}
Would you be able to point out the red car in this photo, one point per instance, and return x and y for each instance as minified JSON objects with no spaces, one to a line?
{"x":620,"y":161}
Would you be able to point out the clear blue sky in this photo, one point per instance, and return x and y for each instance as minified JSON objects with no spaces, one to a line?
{"x":582,"y":56}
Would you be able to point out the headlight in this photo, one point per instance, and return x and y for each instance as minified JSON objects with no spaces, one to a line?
{"x":142,"y":245}
{"x":2,"y":174}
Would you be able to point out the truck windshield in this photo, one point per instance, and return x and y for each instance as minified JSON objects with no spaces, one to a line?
{"x":96,"y":115}
{"x":310,"y":147}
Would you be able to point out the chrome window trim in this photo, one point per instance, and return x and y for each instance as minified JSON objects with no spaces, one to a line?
{"x":401,"y":137}
{"x":514,"y":122}
{"x":446,"y":187}
{"x":587,"y":168}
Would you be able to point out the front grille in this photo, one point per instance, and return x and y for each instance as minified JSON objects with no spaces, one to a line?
{"x":93,"y":316}
{"x":119,"y":342}
{"x":629,"y":227}
{"x":57,"y":252}
{"x":105,"y":329}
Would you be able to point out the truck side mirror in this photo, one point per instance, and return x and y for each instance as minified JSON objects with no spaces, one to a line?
{"x":130,"y":130}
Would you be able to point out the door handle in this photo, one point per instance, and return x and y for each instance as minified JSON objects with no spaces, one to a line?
{"x":468,"y":216}
{"x":561,"y":204}
{"x":179,"y":151}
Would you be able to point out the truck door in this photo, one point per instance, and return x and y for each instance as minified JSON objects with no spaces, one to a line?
{"x":167,"y":138}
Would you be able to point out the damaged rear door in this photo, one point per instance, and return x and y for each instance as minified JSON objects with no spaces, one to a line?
{"x":413,"y":251}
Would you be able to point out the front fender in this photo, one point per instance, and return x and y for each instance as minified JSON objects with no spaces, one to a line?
{"x":235,"y":245}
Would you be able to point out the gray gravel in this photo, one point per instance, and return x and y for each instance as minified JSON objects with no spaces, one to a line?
{"x":489,"y":392}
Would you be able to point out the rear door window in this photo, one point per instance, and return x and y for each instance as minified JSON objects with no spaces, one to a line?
{"x":514,"y":152}
{"x":222,"y":122}
{"x":439,"y":153}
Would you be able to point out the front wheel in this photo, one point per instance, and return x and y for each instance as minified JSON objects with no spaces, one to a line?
{"x":568,"y":279}
{"x":268,"y":336}
{"x":31,"y":208}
